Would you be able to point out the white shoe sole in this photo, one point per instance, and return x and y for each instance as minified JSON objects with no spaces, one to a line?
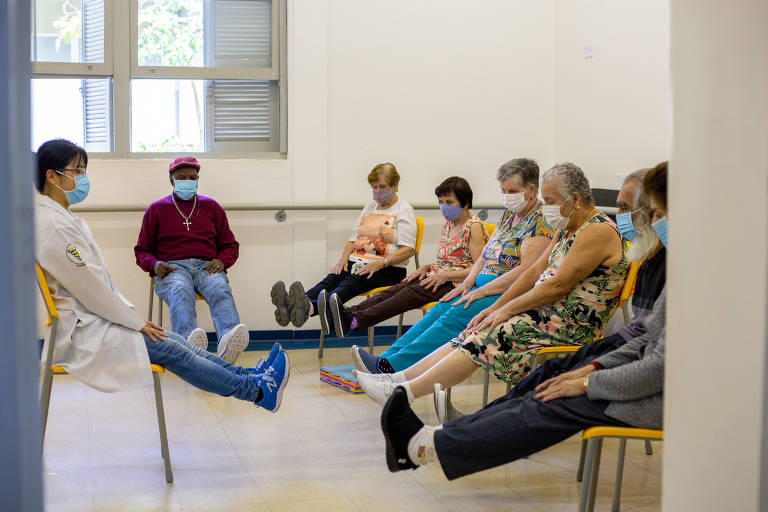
{"x":356,"y":361}
{"x":233,"y":343}
{"x":198,"y":338}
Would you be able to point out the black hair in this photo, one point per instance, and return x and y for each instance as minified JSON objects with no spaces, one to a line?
{"x":56,"y":154}
{"x":460,"y":189}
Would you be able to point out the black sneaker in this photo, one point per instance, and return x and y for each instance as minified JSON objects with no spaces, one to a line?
{"x":399,"y":424}
{"x":280,"y":299}
{"x":322,"y":312}
{"x":299,"y":303}
{"x":342,"y":316}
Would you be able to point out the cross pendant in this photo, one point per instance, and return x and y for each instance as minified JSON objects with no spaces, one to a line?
{"x":187,"y":223}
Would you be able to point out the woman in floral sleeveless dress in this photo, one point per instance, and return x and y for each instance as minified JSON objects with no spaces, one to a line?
{"x":576,"y":319}
{"x":564,"y":298}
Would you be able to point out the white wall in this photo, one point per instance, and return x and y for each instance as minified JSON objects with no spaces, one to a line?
{"x":611,"y":110}
{"x":715,"y":391}
{"x":439,"y":88}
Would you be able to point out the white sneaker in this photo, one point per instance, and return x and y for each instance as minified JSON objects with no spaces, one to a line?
{"x":377,"y":390}
{"x":233,"y":343}
{"x":198,"y":338}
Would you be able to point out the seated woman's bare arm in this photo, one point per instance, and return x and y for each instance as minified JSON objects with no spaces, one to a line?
{"x":530,"y":252}
{"x":401,"y":254}
{"x":597,"y":244}
{"x":476,"y":244}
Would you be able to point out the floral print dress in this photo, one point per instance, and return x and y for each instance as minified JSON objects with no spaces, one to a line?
{"x":576,"y":319}
{"x":453,"y":252}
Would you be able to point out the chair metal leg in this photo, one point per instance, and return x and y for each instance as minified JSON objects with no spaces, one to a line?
{"x":151,"y":300}
{"x":370,"y":339}
{"x":161,"y":427}
{"x":45,"y":397}
{"x":160,"y":313}
{"x":616,"y":504}
{"x":399,"y":326}
{"x":592,"y":467}
{"x":648,"y":447}
{"x":486,"y":381}
{"x":320,"y":348}
{"x":582,"y":456}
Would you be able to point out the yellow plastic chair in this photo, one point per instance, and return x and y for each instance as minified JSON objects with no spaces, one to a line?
{"x":49,"y":371}
{"x":592,"y":445}
{"x":416,"y":250}
{"x":159,"y":303}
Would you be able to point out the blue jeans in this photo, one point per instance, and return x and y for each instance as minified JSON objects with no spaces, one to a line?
{"x":201,"y":368}
{"x":178,"y":289}
{"x":440,"y":325}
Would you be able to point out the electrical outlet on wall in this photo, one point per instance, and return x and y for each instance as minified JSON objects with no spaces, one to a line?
{"x":589,"y":52}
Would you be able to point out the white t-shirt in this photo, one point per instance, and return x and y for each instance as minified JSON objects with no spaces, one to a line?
{"x":380,"y":233}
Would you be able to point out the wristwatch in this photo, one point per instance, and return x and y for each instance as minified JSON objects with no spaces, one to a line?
{"x":386,"y":262}
{"x":586,"y":382}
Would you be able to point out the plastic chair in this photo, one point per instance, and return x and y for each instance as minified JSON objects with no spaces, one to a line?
{"x":49,"y":371}
{"x":160,"y":303}
{"x":592,"y":446}
{"x":416,"y":250}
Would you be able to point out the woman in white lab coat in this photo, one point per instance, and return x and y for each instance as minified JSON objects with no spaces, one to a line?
{"x":101,"y":339}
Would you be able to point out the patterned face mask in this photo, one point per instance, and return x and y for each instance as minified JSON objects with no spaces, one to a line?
{"x":383,"y":197}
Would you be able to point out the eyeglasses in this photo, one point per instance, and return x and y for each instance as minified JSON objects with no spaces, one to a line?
{"x":77,"y":172}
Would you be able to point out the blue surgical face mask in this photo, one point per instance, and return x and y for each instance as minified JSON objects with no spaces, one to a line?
{"x":660,"y":227}
{"x":80,"y":192}
{"x":185,"y":189}
{"x":626,"y":228}
{"x":451,"y":212}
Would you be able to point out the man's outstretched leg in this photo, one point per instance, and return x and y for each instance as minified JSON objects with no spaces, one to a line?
{"x":209,"y":373}
{"x":491,"y":437}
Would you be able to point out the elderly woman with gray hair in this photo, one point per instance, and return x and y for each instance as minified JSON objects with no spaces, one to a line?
{"x":521,"y":236}
{"x":566,"y":297}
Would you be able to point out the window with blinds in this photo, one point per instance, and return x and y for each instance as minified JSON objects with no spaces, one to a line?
{"x":197,"y":75}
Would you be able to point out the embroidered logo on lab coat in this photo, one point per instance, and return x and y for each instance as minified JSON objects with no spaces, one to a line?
{"x":73,"y":253}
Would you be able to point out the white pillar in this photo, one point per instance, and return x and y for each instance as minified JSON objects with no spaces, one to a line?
{"x":20,"y":468}
{"x":715,"y":389}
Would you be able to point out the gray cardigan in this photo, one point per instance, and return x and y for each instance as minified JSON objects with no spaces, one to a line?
{"x":632,"y":378}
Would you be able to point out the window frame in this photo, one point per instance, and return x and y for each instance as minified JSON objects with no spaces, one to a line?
{"x":121,"y":65}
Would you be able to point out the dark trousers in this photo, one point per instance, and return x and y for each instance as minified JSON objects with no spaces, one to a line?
{"x":516,"y":425}
{"x":512,"y":428}
{"x":348,"y":286}
{"x":557,"y":365}
{"x":398,"y":299}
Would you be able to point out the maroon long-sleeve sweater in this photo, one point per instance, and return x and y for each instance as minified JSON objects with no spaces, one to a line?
{"x":164,"y":235}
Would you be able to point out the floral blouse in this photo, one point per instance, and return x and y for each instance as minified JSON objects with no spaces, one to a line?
{"x":502,"y":252}
{"x":453,"y":252}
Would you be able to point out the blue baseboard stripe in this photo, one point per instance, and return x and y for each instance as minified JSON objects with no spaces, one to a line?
{"x":295,"y":340}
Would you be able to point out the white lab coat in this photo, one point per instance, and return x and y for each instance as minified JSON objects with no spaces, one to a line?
{"x":97,"y":339}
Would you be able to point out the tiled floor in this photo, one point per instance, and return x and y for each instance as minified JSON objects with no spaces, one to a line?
{"x":323,"y":450}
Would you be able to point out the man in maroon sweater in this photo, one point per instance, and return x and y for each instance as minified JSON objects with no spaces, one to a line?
{"x":186,"y":245}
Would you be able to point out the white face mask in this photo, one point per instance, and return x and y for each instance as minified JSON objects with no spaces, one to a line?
{"x":514,"y":202}
{"x":554,"y":218}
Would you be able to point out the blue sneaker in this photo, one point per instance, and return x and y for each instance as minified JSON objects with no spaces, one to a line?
{"x":272,"y":382}
{"x":263,"y":363}
{"x":364,"y":361}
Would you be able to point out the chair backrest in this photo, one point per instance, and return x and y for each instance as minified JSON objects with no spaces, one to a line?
{"x":489,"y":228}
{"x":46,"y":293}
{"x":629,"y":284}
{"x":419,"y":234}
